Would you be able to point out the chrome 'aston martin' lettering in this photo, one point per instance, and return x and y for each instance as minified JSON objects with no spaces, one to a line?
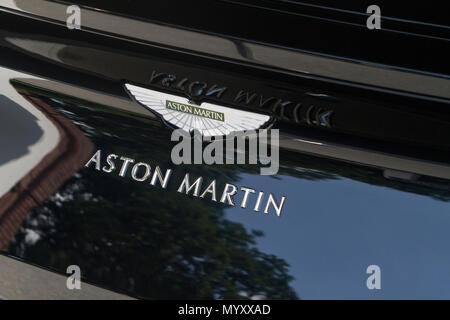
{"x":205,"y":113}
{"x":227,"y":194}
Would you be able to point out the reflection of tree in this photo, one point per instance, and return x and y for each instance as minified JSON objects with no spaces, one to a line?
{"x":155,"y":243}
{"x":313,"y":169}
{"x":150,"y":242}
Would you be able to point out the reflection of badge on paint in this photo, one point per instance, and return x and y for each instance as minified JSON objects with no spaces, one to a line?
{"x":208,"y":118}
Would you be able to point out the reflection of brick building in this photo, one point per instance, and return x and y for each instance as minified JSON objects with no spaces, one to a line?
{"x":72,"y":152}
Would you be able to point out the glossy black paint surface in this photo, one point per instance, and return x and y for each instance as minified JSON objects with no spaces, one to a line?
{"x":152,"y":243}
{"x":104,"y":63}
{"x":286,"y":24}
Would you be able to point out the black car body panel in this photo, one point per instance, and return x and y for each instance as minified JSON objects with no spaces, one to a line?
{"x":368,"y":186}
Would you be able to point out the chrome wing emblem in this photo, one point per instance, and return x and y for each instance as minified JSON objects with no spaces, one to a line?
{"x":209,"y":119}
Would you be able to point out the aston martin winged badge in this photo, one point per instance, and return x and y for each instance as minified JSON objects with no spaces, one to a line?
{"x":207,"y":118}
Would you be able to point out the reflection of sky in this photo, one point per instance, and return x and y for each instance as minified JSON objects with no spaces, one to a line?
{"x":26,"y":134}
{"x":331,"y":230}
